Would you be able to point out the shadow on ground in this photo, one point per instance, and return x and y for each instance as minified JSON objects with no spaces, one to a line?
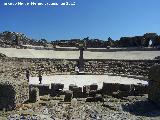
{"x":142,"y":108}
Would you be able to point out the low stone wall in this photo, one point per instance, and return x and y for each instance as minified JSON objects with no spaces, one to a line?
{"x":91,"y":92}
{"x":120,"y":67}
{"x":16,"y":66}
{"x":110,"y":88}
{"x":115,"y":67}
{"x":13,"y":91}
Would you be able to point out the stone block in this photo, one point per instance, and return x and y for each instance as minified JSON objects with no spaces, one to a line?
{"x":92,"y":93}
{"x":90,"y":99}
{"x":34,"y":94}
{"x":77,"y":89}
{"x":79,"y":95}
{"x":71,"y":86}
{"x":154,"y":85}
{"x":57,"y":86}
{"x":68,"y":96}
{"x":120,"y":94}
{"x":154,"y":73}
{"x":74,"y":102}
{"x":93,"y":87}
{"x":13,"y":91}
{"x":99,"y":98}
{"x":154,"y":92}
{"x":141,"y":89}
{"x":86,"y":89}
{"x":124,"y":87}
{"x":43,"y":89}
{"x":109,"y":88}
{"x":54,"y":93}
{"x":77,"y":92}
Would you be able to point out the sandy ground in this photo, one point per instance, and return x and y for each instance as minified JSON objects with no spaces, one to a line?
{"x":81,"y":80}
{"x":31,"y":53}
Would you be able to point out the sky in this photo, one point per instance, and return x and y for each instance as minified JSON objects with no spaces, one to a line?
{"x":94,"y":18}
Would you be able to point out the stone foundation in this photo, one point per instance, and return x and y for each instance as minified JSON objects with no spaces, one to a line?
{"x":91,"y":66}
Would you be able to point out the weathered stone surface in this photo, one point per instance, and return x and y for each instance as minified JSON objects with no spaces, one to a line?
{"x":120,"y":94}
{"x":109,"y":88}
{"x":123,"y":87}
{"x":13,"y":91}
{"x":92,"y":93}
{"x":77,"y":92}
{"x":77,"y":89}
{"x":154,"y":73}
{"x":90,"y":99}
{"x":93,"y":86}
{"x":71,"y":86}
{"x":99,"y":97}
{"x":56,"y":88}
{"x":43,"y":89}
{"x":74,"y":102}
{"x":86,"y":89}
{"x":154,"y":84}
{"x":96,"y":98}
{"x":68,"y":96}
{"x":34,"y":94}
{"x":81,"y":61}
{"x":154,"y":91}
{"x":51,"y":66}
{"x":141,"y":89}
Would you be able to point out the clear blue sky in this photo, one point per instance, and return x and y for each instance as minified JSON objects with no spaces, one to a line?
{"x":94,"y":18}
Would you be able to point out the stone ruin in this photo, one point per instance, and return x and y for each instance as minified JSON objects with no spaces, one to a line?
{"x":90,"y":92}
{"x":34,"y":94}
{"x":136,"y":68}
{"x":19,"y":40}
{"x":13,"y":91}
{"x":18,"y":91}
{"x":81,"y":61}
{"x":154,"y":84}
{"x":136,"y":41}
{"x":124,"y":90}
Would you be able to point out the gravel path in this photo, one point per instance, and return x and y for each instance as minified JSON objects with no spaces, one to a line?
{"x":31,"y":53}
